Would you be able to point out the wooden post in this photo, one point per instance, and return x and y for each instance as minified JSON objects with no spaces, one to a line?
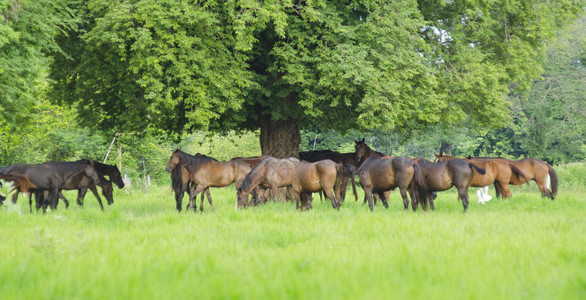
{"x":110,"y":148}
{"x":120,"y":156}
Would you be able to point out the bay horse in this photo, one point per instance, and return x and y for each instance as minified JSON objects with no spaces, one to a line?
{"x":206,"y":172}
{"x":498,"y":172}
{"x":303,"y":177}
{"x":442,"y":176}
{"x":181,"y":184}
{"x":537,"y":170}
{"x":346,"y":159}
{"x":381,"y":174}
{"x":363,"y":152}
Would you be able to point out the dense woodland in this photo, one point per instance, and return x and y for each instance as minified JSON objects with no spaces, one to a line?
{"x":137,"y":79}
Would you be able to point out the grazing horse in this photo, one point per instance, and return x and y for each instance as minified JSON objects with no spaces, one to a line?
{"x":303,"y":177}
{"x":206,"y":172}
{"x":346,"y":159}
{"x":380,"y":174}
{"x":442,"y":176}
{"x":537,"y":170}
{"x":363,"y":152}
{"x":498,"y":171}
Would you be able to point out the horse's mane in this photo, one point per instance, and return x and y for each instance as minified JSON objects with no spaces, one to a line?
{"x":421,"y":160}
{"x":248,"y":180}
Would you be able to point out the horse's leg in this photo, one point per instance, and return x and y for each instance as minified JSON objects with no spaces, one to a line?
{"x":15,"y":197}
{"x":384,"y":199}
{"x":192,"y":202}
{"x":209,"y":199}
{"x":30,"y":202}
{"x":343,"y":187}
{"x":368,"y":196}
{"x":463,"y":194}
{"x":61,"y":196}
{"x":403,"y":191}
{"x":330,"y":195}
{"x":95,"y":192}
{"x":505,"y":190}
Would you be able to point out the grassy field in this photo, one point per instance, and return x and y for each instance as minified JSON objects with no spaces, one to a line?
{"x":140,"y":247}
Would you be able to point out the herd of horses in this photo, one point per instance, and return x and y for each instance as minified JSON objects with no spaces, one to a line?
{"x":47,"y":180}
{"x":260,"y":179}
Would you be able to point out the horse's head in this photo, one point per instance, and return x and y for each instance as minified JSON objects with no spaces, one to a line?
{"x":173,"y":161}
{"x":241,"y":199}
{"x":108,"y":192}
{"x":438,"y":157}
{"x":360,"y":149}
{"x":116,"y":177}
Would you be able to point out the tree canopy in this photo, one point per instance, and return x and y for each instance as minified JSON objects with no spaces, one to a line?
{"x":404,"y":65}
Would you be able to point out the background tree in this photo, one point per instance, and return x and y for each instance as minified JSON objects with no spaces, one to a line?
{"x":27,"y":34}
{"x":282,"y":66}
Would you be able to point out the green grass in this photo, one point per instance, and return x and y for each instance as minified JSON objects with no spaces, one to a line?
{"x":524,"y":247}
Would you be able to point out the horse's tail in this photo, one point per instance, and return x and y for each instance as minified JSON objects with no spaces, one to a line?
{"x":421,"y":190}
{"x":554,"y":180}
{"x":519,"y":174}
{"x":23,"y":183}
{"x":478,"y":169}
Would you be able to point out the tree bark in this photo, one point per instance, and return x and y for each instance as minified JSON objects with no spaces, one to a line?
{"x":446,"y":148}
{"x":279,"y":138}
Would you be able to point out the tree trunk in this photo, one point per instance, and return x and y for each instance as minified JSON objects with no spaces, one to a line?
{"x":446,"y":148}
{"x":280,"y":138}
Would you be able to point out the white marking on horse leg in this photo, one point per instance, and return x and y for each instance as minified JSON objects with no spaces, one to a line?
{"x":548,"y":182}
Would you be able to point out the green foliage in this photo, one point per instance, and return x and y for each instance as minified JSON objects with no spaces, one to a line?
{"x":27,"y":33}
{"x":402,"y":65}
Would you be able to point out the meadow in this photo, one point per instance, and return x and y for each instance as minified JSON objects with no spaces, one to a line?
{"x":141,"y":248}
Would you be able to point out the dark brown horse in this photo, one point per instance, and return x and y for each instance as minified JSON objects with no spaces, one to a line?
{"x":303,"y":177}
{"x":537,"y":170}
{"x":346,"y":159}
{"x":207,"y":172}
{"x":363,"y":152}
{"x":49,"y":177}
{"x":442,"y":176}
{"x":380,"y":174}
{"x":498,"y":172}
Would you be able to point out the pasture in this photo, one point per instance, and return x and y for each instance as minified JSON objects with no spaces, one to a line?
{"x":140,"y":247}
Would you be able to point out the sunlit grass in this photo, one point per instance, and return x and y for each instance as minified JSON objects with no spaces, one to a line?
{"x":140,"y":247}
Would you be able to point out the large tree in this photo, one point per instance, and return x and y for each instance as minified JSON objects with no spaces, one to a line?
{"x":27,"y":34}
{"x":284,"y":65}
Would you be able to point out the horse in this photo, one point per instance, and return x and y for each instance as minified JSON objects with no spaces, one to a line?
{"x":180,"y":182}
{"x":380,"y":174}
{"x":498,"y":171}
{"x":363,"y":152}
{"x":442,"y":176}
{"x":82,"y":183}
{"x":207,"y":172}
{"x":50,"y":177}
{"x":303,"y":177}
{"x":537,"y":170}
{"x":20,"y":181}
{"x":346,"y":159}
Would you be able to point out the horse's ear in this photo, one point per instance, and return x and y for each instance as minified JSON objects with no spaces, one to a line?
{"x":362,"y":140}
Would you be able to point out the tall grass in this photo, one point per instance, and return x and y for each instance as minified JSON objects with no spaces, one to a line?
{"x":140,"y":247}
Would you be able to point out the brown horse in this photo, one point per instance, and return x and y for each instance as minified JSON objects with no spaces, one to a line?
{"x":207,"y":172}
{"x":303,"y":177}
{"x":363,"y":152}
{"x":346,"y":159}
{"x":442,"y":176}
{"x":498,"y":172}
{"x":380,"y":174}
{"x":537,"y":170}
